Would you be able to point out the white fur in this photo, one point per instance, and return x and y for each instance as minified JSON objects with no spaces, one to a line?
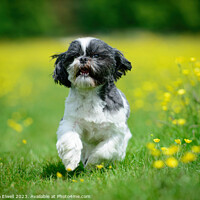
{"x":84,"y":42}
{"x":89,"y":133}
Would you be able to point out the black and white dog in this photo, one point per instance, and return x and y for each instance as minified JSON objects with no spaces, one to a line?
{"x":94,"y":126}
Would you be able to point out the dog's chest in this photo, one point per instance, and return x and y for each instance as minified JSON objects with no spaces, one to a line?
{"x":87,"y":107}
{"x":89,"y":117}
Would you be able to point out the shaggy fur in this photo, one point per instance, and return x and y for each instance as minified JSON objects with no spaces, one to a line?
{"x":94,"y":126}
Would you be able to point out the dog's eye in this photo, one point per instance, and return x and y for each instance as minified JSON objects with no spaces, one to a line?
{"x":95,"y":55}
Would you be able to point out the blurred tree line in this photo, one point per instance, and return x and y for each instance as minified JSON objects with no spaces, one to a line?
{"x":19,"y":18}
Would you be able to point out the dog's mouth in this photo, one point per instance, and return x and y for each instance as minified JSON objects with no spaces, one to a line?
{"x":83,"y":71}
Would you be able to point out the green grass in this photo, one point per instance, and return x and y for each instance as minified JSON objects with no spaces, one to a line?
{"x":30,"y":169}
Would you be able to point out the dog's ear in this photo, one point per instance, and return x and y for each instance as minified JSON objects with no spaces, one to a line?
{"x":122,"y":65}
{"x":60,"y":73}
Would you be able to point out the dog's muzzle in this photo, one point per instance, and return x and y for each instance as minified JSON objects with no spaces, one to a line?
{"x":84,"y":70}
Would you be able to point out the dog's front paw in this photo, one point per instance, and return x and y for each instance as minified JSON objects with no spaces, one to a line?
{"x":69,"y":149}
{"x":71,"y":160}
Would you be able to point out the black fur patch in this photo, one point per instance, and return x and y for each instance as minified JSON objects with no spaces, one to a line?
{"x":63,"y":60}
{"x":110,"y":64}
{"x":110,"y":94}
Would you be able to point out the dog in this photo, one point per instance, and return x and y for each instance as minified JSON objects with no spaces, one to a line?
{"x":94,"y":126}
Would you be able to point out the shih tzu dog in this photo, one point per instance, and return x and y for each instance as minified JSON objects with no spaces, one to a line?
{"x":94,"y":126}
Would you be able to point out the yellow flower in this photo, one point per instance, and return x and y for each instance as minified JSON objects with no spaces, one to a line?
{"x":188,"y":157}
{"x":156,"y":140}
{"x":81,"y":180}
{"x":110,"y":167}
{"x":193,"y":59}
{"x":185,"y":71}
{"x":181,"y":121}
{"x":196,"y":70}
{"x":178,"y":141}
{"x":174,"y":121}
{"x":24,"y":141}
{"x":14,"y":125}
{"x":163,"y":148}
{"x":187,"y":141}
{"x":167,"y":96}
{"x":196,"y":149}
{"x":69,"y":169}
{"x":179,"y":60}
{"x":74,"y":181}
{"x":198,"y":74}
{"x":155,"y":152}
{"x":171,"y":150}
{"x":28,"y":121}
{"x":59,"y":175}
{"x":99,"y":166}
{"x":164,"y":108}
{"x":181,"y":92}
{"x":150,"y":145}
{"x":158,"y":164}
{"x":171,"y":162}
{"x":176,"y":109}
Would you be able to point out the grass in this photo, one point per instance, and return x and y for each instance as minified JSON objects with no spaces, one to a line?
{"x":28,"y":97}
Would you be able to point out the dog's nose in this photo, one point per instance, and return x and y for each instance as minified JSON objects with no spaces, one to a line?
{"x":83,"y":60}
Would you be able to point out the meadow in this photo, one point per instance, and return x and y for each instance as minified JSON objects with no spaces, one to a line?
{"x":163,"y":90}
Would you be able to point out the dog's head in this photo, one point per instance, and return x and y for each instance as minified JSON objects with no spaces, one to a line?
{"x":89,"y":62}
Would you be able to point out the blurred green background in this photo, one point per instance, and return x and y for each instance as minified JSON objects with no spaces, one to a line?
{"x":23,"y":18}
{"x":152,"y":35}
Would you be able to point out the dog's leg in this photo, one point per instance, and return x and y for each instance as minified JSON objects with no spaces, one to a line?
{"x":69,"y":149}
{"x":69,"y":145}
{"x":109,"y":150}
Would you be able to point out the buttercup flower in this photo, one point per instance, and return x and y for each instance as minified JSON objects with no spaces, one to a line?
{"x":28,"y":121}
{"x":196,"y":70}
{"x":167,"y":96}
{"x":156,"y":140}
{"x":185,"y":71}
{"x":181,"y":92}
{"x":74,"y":181}
{"x":171,"y":162}
{"x":59,"y":175}
{"x":188,"y":157}
{"x":179,"y":60}
{"x":14,"y":125}
{"x":69,"y":169}
{"x":187,"y":141}
{"x":150,"y":145}
{"x":163,"y":148}
{"x":81,"y":180}
{"x":178,"y":141}
{"x":171,"y":150}
{"x":110,"y":167}
{"x":158,"y":164}
{"x":99,"y":166}
{"x":24,"y":141}
{"x":164,"y":108}
{"x":193,"y":59}
{"x":155,"y":152}
{"x":196,"y":149}
{"x":181,"y":121}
